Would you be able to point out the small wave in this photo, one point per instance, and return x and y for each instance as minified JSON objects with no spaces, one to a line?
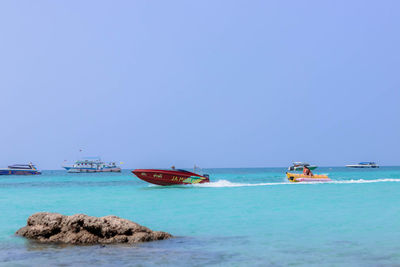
{"x":225,"y":183}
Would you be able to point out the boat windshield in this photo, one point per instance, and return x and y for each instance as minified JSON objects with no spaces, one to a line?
{"x":180,"y":170}
{"x":21,"y":166}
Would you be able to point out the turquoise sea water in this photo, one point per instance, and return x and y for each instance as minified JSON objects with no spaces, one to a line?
{"x":244,"y":217}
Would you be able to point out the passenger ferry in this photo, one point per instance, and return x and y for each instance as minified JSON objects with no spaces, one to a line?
{"x":20,"y":169}
{"x":92,"y":165}
{"x":363,"y":165}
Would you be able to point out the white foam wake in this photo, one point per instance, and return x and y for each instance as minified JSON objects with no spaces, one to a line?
{"x":363,"y":181}
{"x":225,"y":183}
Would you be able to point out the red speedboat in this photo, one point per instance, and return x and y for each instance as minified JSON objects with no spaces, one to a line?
{"x":170,"y":177}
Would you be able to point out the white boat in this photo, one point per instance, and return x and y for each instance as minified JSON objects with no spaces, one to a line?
{"x":92,"y":164}
{"x":363,"y":165}
{"x":299,"y":166}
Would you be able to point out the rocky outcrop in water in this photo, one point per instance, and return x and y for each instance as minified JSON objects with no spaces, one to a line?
{"x":83,"y":229}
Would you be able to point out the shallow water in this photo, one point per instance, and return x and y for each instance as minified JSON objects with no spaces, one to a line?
{"x":244,"y":217}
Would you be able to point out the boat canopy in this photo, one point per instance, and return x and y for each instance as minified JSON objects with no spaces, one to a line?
{"x":89,"y":160}
{"x":366,"y":163}
{"x":298,"y":163}
{"x":21,"y":166}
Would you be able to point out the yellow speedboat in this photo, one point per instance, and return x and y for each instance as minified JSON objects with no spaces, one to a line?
{"x":299,"y":177}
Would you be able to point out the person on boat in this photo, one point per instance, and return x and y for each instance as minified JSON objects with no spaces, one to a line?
{"x":173,"y":167}
{"x":307,"y":171}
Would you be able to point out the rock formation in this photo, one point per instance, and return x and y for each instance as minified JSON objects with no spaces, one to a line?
{"x":83,"y":229}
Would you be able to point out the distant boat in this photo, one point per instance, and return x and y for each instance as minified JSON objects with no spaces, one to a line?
{"x":299,"y":166}
{"x":170,"y":177}
{"x":20,"y":169}
{"x":363,"y":165}
{"x":92,"y":164}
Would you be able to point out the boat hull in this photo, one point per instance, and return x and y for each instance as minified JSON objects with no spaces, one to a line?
{"x":167,"y":177}
{"x":88,"y":170}
{"x":297,"y":178}
{"x":19,"y":172}
{"x":362,"y":166}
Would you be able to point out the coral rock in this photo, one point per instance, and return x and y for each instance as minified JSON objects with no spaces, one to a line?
{"x":83,"y":229}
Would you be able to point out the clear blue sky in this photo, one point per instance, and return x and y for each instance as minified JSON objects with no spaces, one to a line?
{"x":217,"y":83}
